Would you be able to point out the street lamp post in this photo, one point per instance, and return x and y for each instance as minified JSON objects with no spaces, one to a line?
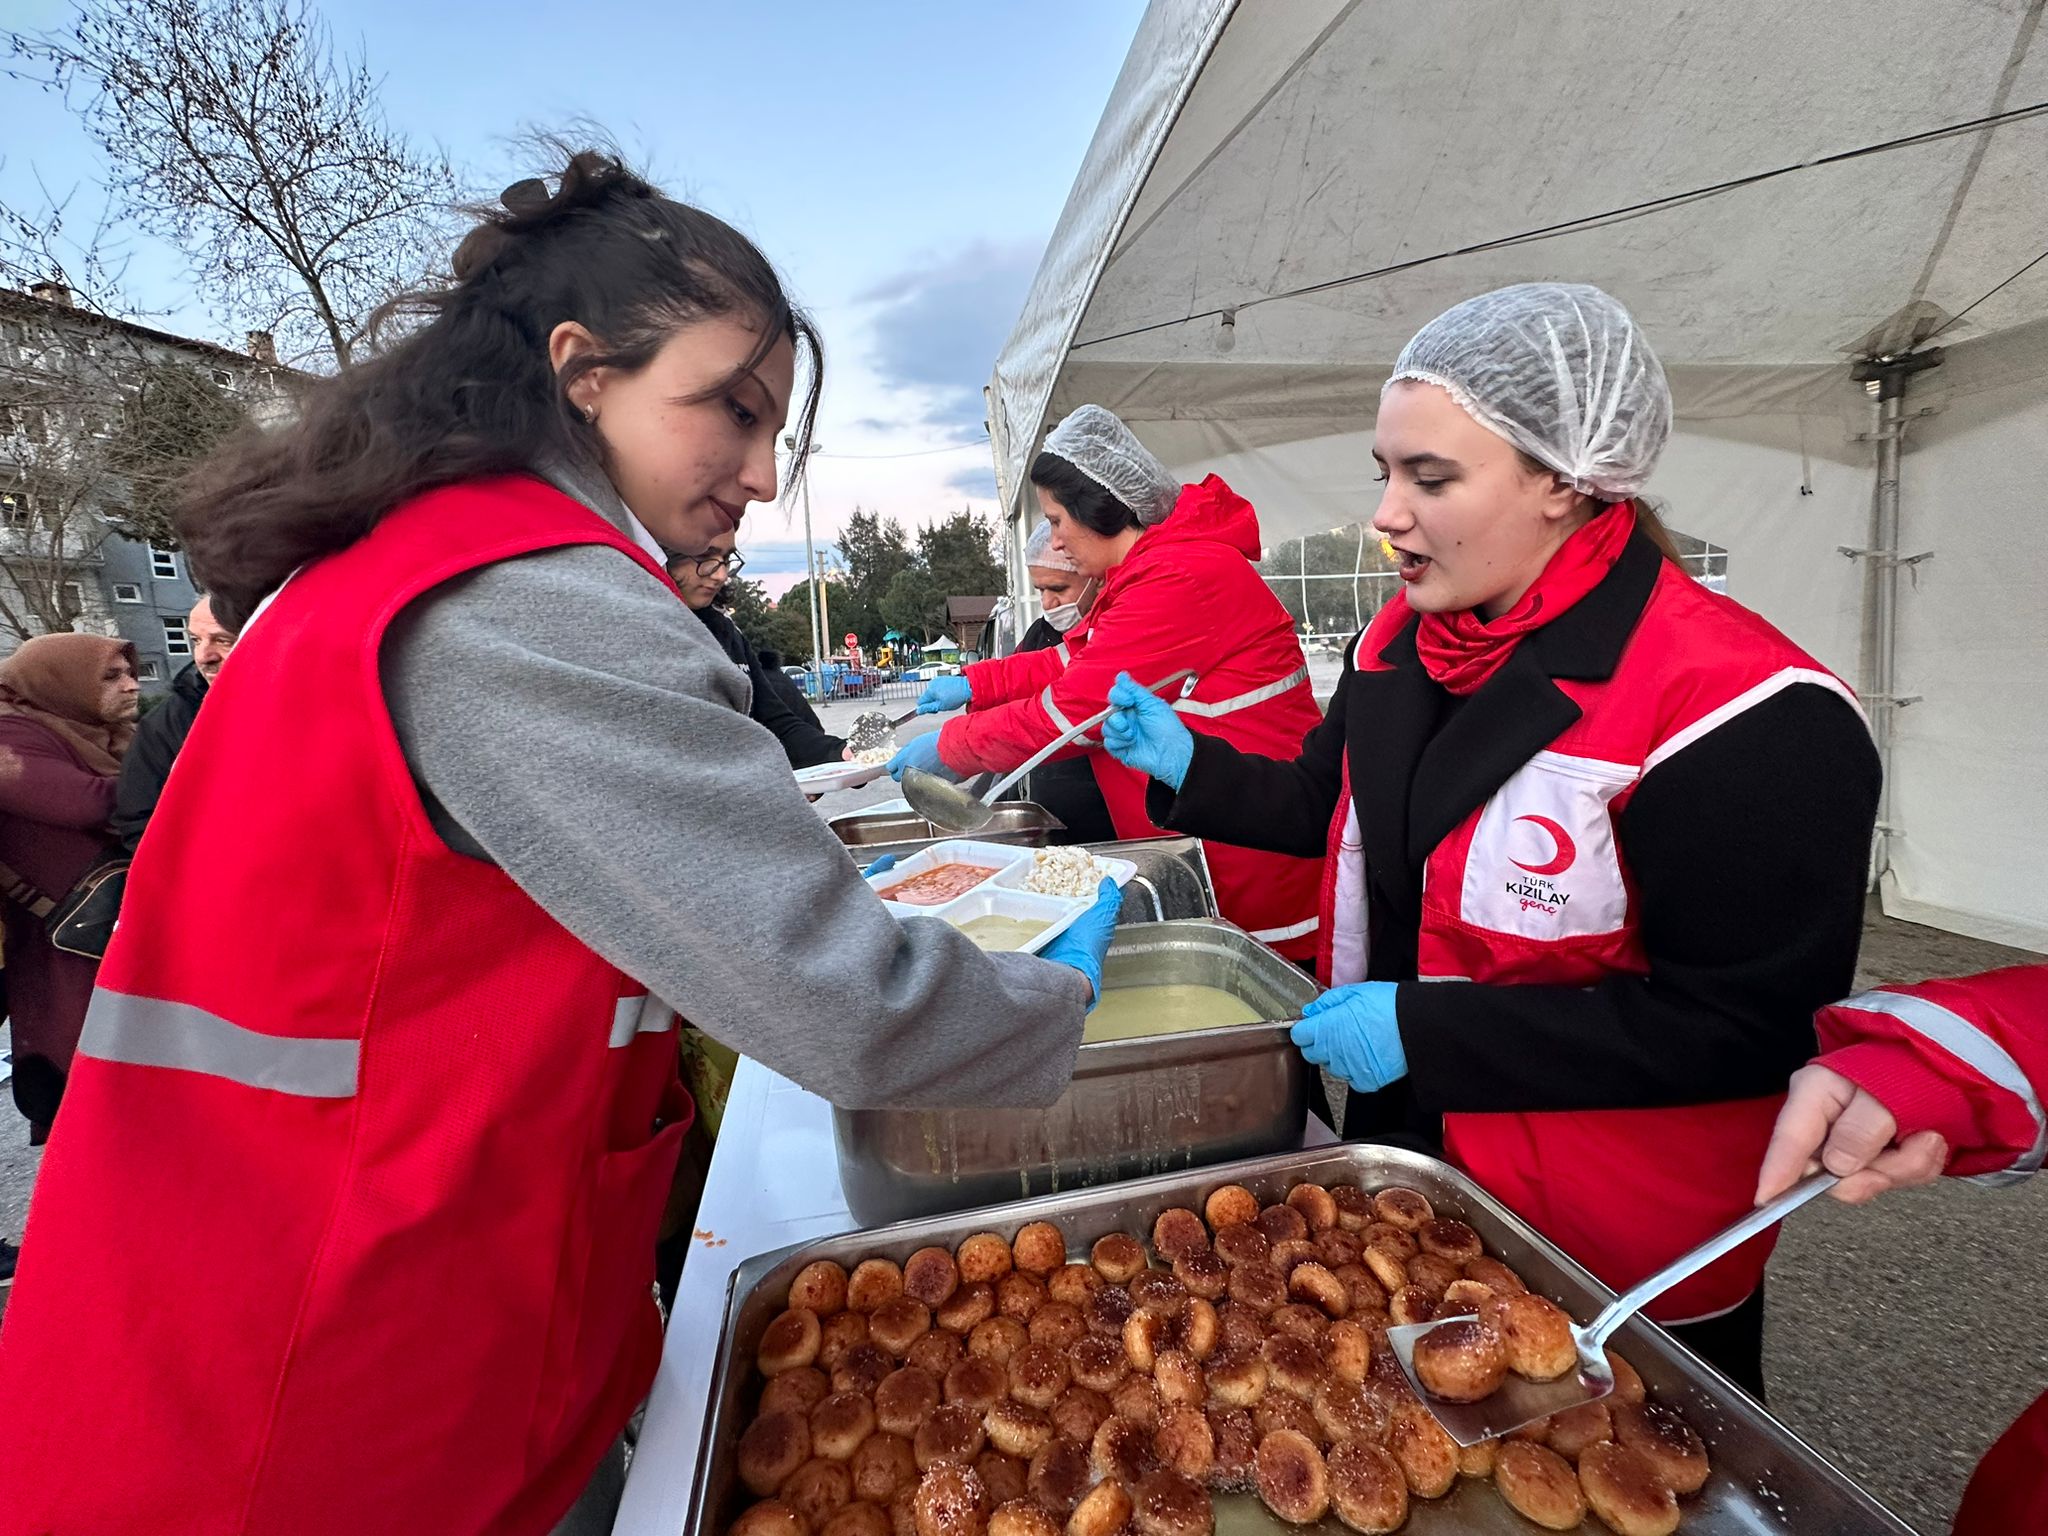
{"x":799,"y":467}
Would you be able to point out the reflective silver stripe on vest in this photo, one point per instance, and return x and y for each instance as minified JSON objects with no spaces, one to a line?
{"x":1291,"y":931}
{"x":1066,"y":656}
{"x":643,"y":1015}
{"x":1210,"y":711}
{"x":1970,"y":1045}
{"x":1061,"y":724}
{"x":150,"y":1032}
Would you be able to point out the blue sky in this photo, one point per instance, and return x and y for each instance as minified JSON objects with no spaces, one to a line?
{"x":902,"y":163}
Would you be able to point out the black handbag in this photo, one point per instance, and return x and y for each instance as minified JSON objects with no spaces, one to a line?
{"x":81,"y":922}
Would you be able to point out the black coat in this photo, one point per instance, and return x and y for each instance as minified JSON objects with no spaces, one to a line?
{"x":158,"y":740}
{"x":804,"y":741}
{"x":1067,"y":786}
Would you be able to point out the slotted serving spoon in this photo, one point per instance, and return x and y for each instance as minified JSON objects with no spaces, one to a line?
{"x":960,"y":808}
{"x":1519,"y":1401}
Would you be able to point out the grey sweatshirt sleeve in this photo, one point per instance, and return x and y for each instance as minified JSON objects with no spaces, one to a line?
{"x":590,"y":738}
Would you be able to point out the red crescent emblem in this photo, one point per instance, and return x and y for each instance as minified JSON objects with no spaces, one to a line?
{"x":1566,"y":850}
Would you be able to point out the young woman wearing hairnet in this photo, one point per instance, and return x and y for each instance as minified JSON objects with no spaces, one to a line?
{"x":1175,"y":587}
{"x":1617,"y":821}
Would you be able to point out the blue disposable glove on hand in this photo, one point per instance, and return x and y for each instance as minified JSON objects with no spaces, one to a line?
{"x":921,"y":752}
{"x":942,"y":694}
{"x":881,"y":866}
{"x":1144,"y":733}
{"x":1352,"y":1032}
{"x":1083,"y":945}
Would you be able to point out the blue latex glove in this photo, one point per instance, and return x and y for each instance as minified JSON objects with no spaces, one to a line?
{"x":1352,"y":1032}
{"x":942,"y":694}
{"x":921,"y":752}
{"x":1083,"y":945}
{"x":881,"y":866}
{"x":1144,"y":733}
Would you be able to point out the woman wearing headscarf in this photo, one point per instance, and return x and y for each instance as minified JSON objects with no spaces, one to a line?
{"x":1176,"y":588}
{"x":68,"y":705}
{"x":1066,"y":788}
{"x":1617,"y":822}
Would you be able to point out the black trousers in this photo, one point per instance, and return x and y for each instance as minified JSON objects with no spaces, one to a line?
{"x":1732,"y":1343}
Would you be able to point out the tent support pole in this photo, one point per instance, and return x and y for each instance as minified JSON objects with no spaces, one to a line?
{"x":1886,"y":378}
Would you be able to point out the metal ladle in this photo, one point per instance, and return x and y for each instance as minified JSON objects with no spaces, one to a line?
{"x":959,"y":808}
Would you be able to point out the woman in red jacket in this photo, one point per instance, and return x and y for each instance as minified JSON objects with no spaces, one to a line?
{"x":1617,"y":823}
{"x":1943,"y":1077}
{"x":1173,"y":569}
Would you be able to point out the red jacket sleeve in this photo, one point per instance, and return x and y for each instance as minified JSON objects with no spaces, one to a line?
{"x":1967,"y":1058}
{"x":1004,"y":678}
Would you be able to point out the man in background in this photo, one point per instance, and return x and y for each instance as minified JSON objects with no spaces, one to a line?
{"x":163,"y":730}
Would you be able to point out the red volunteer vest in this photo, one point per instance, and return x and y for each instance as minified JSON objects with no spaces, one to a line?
{"x":1533,"y":888}
{"x":348,"y":1225}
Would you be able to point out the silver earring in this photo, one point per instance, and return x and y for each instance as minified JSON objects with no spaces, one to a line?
{"x":590,"y":414}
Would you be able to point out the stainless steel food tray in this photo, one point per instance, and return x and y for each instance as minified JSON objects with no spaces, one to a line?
{"x":869,"y":835}
{"x":1134,"y":1107}
{"x":1765,"y":1479}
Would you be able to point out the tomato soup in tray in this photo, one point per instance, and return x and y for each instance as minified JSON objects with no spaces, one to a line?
{"x":937,"y":885}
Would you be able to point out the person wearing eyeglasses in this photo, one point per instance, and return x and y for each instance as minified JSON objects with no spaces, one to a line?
{"x":700,"y":578}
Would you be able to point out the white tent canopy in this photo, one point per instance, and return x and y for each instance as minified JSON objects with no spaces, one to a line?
{"x":1779,"y":189}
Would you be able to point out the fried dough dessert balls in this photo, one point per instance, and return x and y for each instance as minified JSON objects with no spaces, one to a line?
{"x":977,"y":1383}
{"x":1002,"y":1477}
{"x":1167,"y":1503}
{"x":1494,"y":1275}
{"x":1354,"y":1207}
{"x":1118,"y":1258}
{"x":839,"y":1336}
{"x":1282,"y":1410}
{"x":1059,"y":1475}
{"x":771,"y":1517}
{"x":1231,"y":1206}
{"x":1450,"y":1239}
{"x":1405,"y":1208}
{"x":1316,"y":1204}
{"x":1259,"y":1286}
{"x":950,"y":1501}
{"x":1098,"y":1363}
{"x":903,"y":1512}
{"x":1203,"y":1273}
{"x":864,"y":1369}
{"x":1425,"y":1450}
{"x":896,"y":1325}
{"x":817,"y":1491}
{"x":930,"y":1276}
{"x":1335,"y":1248}
{"x":1411,"y":1304}
{"x":1293,"y":1365}
{"x":1139,"y":1401}
{"x":1571,"y":1432}
{"x":1079,"y":1413}
{"x":983,"y":1258}
{"x":1433,"y":1274}
{"x":1020,"y":1517}
{"x":1346,"y":1411}
{"x":789,"y":1343}
{"x":1628,"y":1386}
{"x":1109,"y":1311}
{"x":1368,"y":1490}
{"x":773,"y":1447}
{"x":952,"y":1434}
{"x":1388,"y":1271}
{"x":1478,"y":1460}
{"x":1057,"y":1324}
{"x":1178,"y":1377}
{"x":1243,"y":1328}
{"x":800,"y":1390}
{"x":873,"y":1282}
{"x":1347,"y":1352}
{"x":858,"y":1520}
{"x":1144,"y":1335}
{"x":1237,"y":1442}
{"x":884,"y":1466}
{"x":1198,"y":1330}
{"x":1177,"y":1233}
{"x":1624,"y":1490}
{"x":1314,"y":1284}
{"x":1103,"y":1511}
{"x":1388,"y":1238}
{"x":1020,"y":1296}
{"x":1537,"y":1333}
{"x":1157,"y":1291}
{"x":839,"y":1424}
{"x":998,"y":1339}
{"x":1184,"y":1441}
{"x":1016,"y":1429}
{"x":1366,"y":1293}
{"x":1122,"y":1449}
{"x":1242,"y":1244}
{"x":1539,"y":1485}
{"x":1074,"y":1284}
{"x":1283,"y":1224}
{"x":1293,"y":1482}
{"x":1662,"y":1438}
{"x":1038,"y":1375}
{"x":1237,"y":1380}
{"x":1039,"y":1248}
{"x":819,"y":1287}
{"x":1462,"y":1361}
{"x":967,"y":1308}
{"x":1287,"y":1255}
{"x":1464,"y":1296}
{"x":1298,"y":1320}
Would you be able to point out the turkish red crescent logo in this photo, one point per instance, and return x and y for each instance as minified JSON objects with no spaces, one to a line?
{"x":1565,"y":850}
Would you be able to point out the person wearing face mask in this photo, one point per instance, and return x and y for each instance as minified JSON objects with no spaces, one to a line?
{"x":163,"y":731}
{"x":1597,"y":835}
{"x":351,"y":1224}
{"x":1177,"y":588}
{"x":1067,"y":787}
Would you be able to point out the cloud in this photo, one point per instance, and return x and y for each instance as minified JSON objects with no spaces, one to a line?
{"x":937,"y":328}
{"x":976,"y":480}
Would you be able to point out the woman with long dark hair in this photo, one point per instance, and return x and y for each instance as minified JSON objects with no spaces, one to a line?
{"x":350,"y":1226}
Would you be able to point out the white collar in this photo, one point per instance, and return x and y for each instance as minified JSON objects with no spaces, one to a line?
{"x":637,"y":532}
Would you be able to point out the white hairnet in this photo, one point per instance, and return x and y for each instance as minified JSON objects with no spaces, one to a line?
{"x":1038,"y":551}
{"x":1560,"y":371}
{"x":1097,"y":443}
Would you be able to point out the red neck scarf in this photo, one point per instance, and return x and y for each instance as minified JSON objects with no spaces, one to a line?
{"x":1462,"y":650}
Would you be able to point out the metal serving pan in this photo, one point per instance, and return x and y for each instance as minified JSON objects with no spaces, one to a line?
{"x":870,"y":834}
{"x":1765,"y":1479}
{"x":1134,"y":1107}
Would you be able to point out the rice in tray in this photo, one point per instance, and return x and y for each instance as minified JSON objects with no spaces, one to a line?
{"x":1065,"y":872}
